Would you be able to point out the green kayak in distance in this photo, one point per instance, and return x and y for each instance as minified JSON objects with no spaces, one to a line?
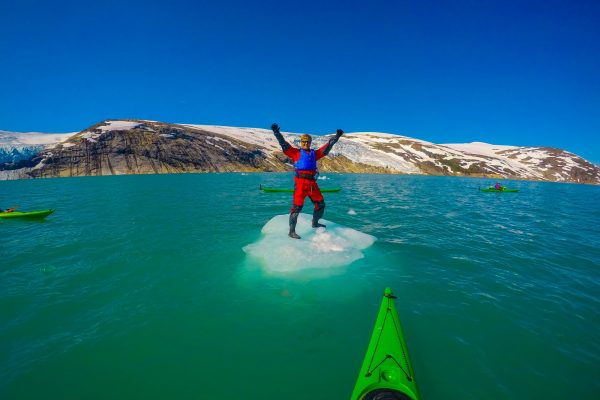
{"x":386,"y":372}
{"x":26,"y":214}
{"x":492,"y":189}
{"x":274,"y":190}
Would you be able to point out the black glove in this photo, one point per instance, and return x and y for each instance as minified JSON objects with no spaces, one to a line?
{"x":275,"y":128}
{"x":339,"y":132}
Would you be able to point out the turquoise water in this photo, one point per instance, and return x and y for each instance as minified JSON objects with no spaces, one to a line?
{"x":137,"y":287}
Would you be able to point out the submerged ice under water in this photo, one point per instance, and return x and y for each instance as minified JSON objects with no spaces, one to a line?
{"x":331,"y":247}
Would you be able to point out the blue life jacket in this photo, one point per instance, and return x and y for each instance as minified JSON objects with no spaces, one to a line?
{"x":307,"y":161}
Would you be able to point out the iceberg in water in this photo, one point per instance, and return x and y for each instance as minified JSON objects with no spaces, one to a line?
{"x":331,"y":247}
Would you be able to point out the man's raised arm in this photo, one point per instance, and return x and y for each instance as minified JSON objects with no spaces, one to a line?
{"x":284,"y":145}
{"x":327,"y":148}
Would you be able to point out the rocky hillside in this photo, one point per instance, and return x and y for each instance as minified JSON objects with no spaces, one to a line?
{"x":139,"y":147}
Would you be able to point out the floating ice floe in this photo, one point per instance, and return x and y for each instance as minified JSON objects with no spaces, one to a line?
{"x":321,"y":248}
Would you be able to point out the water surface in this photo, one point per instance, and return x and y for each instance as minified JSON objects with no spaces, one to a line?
{"x":137,"y":286}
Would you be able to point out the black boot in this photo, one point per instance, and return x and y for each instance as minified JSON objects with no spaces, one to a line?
{"x":293,"y":219}
{"x":318,"y":213}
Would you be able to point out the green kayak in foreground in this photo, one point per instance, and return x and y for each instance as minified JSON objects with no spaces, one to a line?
{"x":386,"y":372}
{"x":26,"y":214}
{"x":492,"y":189}
{"x":273,"y":190}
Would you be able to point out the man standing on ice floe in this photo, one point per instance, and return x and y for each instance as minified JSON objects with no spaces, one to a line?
{"x":305,"y":171}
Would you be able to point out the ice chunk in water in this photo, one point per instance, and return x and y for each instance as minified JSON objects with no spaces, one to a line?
{"x":330,"y":247}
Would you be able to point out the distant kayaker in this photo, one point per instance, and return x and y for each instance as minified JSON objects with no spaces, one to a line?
{"x":305,"y":171}
{"x":498,"y":186}
{"x":8,"y":210}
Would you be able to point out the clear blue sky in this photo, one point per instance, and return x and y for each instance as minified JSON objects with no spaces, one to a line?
{"x":503,"y":72}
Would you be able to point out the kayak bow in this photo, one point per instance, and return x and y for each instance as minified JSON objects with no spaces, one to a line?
{"x":26,"y":214}
{"x":386,"y":372}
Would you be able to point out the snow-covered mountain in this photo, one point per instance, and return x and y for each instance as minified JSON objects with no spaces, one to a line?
{"x":16,"y":146}
{"x":137,"y":146}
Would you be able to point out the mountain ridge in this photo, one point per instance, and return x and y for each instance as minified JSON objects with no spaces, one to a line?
{"x":114,"y":147}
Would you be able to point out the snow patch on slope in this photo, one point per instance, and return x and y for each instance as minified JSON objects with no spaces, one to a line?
{"x":118,"y":125}
{"x":502,"y":157}
{"x":259,"y":137}
{"x":481,"y":148}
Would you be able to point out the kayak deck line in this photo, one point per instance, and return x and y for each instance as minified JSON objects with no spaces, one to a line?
{"x":386,"y":369}
{"x":388,"y":356}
